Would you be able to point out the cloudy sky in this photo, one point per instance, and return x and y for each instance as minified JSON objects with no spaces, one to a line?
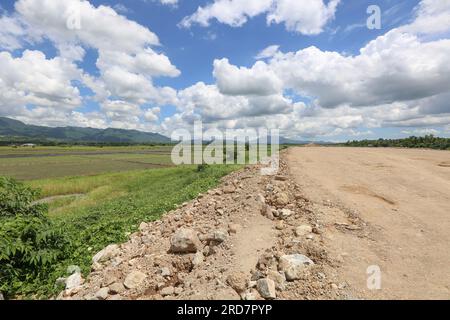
{"x":311,"y":68}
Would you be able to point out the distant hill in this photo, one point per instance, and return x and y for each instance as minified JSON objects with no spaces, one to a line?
{"x":13,"y":128}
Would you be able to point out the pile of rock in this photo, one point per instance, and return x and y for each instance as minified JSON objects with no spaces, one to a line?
{"x":188,"y":254}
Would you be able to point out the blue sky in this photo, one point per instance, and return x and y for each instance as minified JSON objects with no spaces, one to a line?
{"x":320,"y":98}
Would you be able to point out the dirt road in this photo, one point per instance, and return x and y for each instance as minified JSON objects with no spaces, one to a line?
{"x":384,"y":207}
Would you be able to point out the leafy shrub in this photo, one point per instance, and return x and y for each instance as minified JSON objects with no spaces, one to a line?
{"x":29,"y":243}
{"x":16,"y":199}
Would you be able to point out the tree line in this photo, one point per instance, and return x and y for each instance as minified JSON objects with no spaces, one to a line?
{"x":426,"y":142}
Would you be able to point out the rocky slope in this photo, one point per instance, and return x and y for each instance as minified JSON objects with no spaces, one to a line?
{"x":254,"y":237}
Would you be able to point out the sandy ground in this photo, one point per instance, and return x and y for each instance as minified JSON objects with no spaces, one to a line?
{"x":382,"y":207}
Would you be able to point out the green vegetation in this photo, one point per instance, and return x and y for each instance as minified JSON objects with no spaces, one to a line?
{"x":30,"y":244}
{"x":37,"y":246}
{"x":429,"y":142}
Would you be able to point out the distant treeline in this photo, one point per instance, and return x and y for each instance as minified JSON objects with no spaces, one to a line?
{"x":426,"y":142}
{"x":4,"y":142}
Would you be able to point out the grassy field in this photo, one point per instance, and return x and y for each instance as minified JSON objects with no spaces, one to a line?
{"x":55,"y":162}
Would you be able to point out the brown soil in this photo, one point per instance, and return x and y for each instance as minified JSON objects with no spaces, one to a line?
{"x":395,"y":206}
{"x":360,"y":207}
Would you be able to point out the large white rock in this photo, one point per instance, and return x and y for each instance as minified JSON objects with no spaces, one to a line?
{"x":73,"y":269}
{"x":134,"y":280}
{"x":106,"y":254}
{"x":185,"y":241}
{"x":294,"y":265}
{"x":74,"y":281}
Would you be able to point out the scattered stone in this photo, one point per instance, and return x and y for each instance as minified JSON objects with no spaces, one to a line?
{"x":185,"y":241}
{"x":96,"y":267}
{"x":73,"y":269}
{"x":134,"y":280}
{"x":102,"y":294}
{"x":294,"y":265}
{"x":281,"y":178}
{"x":198,"y":259}
{"x":286,"y":213}
{"x":256,"y":275}
{"x":168,"y":291}
{"x":106,"y":254}
{"x":116,"y":288}
{"x":178,"y":291}
{"x":266,"y":211}
{"x":250,"y":295}
{"x":278,"y":278}
{"x":208,"y":251}
{"x":280,"y":225}
{"x":229,"y":189}
{"x":218,"y":237}
{"x":234,"y":228}
{"x":74,"y":281}
{"x":238,"y":281}
{"x":303,"y":230}
{"x":282,"y":199}
{"x":165,"y":272}
{"x":266,"y":288}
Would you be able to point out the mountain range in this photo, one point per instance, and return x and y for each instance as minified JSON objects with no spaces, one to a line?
{"x":17,"y":129}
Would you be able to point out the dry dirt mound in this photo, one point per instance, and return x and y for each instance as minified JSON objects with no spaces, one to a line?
{"x":254,"y":237}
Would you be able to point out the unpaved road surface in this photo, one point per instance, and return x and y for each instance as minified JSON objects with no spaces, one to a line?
{"x":382,"y":207}
{"x":309,"y":232}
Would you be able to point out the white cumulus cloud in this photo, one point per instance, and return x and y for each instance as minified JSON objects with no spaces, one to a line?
{"x":303,"y":16}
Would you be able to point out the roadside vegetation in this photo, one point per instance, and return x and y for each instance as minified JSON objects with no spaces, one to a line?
{"x":427,"y":142}
{"x":39,"y":241}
